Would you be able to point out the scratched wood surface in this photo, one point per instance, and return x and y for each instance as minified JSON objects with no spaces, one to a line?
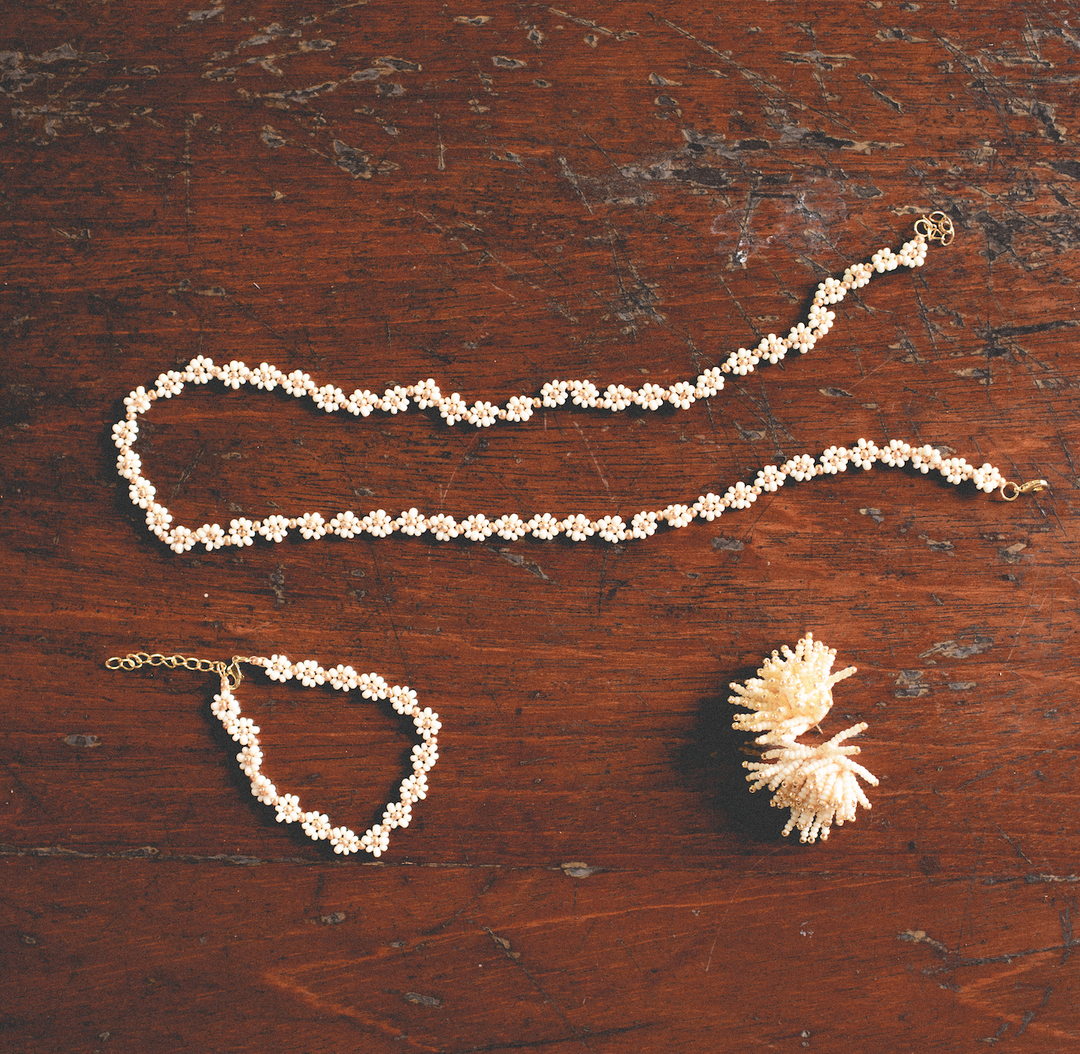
{"x":494,"y":197}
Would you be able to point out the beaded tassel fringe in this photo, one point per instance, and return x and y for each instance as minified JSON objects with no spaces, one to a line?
{"x":792,"y":693}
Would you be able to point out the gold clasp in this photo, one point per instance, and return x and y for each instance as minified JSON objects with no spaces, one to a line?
{"x":232,"y":673}
{"x":1010,"y":491}
{"x":937,"y":227}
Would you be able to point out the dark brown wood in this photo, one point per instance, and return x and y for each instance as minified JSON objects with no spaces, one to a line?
{"x":495,"y":197}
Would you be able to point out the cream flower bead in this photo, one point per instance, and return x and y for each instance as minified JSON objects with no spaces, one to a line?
{"x":210,"y":535}
{"x":265,"y":377}
{"x":329,"y":398}
{"x":681,"y":395}
{"x":519,"y":408}
{"x":397,"y":814}
{"x":402,"y":699}
{"x":643,"y":525}
{"x":678,"y":515}
{"x":865,"y":454}
{"x":802,"y":338}
{"x":770,"y":479}
{"x":414,"y":788}
{"x":711,"y":382}
{"x":372,"y":686}
{"x":346,"y":524}
{"x":361,"y":403}
{"x":316,"y":825}
{"x":477,"y":528}
{"x":279,"y":668}
{"x":773,"y":348}
{"x":180,"y":539}
{"x":168,"y":384}
{"x":297,"y":383}
{"x":234,"y":374}
{"x":453,"y":409}
{"x":443,"y":527}
{"x":834,"y":460}
{"x":376,"y":840}
{"x":263,"y":789}
{"x":128,"y":464}
{"x":584,"y":393}
{"x":288,"y":808}
{"x":379,"y":524}
{"x":739,"y":496}
{"x":241,"y":532}
{"x":897,"y":453}
{"x":125,"y":433}
{"x":141,"y":492}
{"x":274,"y":528}
{"x":483,"y":414}
{"x":617,"y":397}
{"x":577,"y":528}
{"x":138,"y":401}
{"x":412,"y":523}
{"x":309,"y":673}
{"x":612,"y":529}
{"x":650,"y":396}
{"x":709,"y":506}
{"x":158,"y":518}
{"x":427,"y":721}
{"x":544,"y":526}
{"x":741,"y":362}
{"x":554,"y":393}
{"x":395,"y":400}
{"x":511,"y":527}
{"x":343,"y":678}
{"x":424,"y":756}
{"x":426,"y":394}
{"x":201,"y":370}
{"x":311,"y":525}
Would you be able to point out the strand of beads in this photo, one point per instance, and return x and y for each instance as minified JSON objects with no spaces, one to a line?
{"x":615,"y":397}
{"x":317,"y":825}
{"x":510,"y":527}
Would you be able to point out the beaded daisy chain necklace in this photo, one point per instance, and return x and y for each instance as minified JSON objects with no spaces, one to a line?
{"x":477,"y":527}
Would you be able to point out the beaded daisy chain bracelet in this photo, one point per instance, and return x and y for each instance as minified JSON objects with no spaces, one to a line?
{"x":317,"y":826}
{"x":577,"y":527}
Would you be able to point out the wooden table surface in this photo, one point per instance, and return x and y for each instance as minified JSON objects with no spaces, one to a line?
{"x":494,"y":197}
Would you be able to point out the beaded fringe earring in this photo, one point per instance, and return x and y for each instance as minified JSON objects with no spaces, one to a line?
{"x":791,"y":694}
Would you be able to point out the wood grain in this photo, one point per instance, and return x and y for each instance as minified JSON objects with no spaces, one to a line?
{"x":496,"y":197}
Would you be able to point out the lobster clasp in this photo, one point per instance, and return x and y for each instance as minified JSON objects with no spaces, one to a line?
{"x":1010,"y":491}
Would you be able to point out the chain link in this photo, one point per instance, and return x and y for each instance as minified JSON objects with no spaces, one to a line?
{"x":937,"y":227}
{"x":229,"y":672}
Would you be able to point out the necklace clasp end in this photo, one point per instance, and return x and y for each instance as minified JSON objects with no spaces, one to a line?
{"x":1010,"y":491}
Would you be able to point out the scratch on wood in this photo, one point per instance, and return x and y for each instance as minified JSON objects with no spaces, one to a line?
{"x":520,"y":561}
{"x":921,"y":937}
{"x":572,"y":179}
{"x":331,"y":1006}
{"x":866,"y":78}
